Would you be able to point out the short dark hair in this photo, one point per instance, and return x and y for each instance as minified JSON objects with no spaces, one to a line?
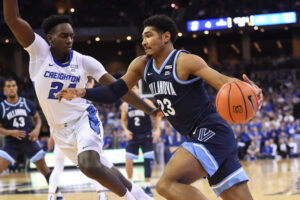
{"x":50,"y":22}
{"x":9,"y":80}
{"x":163,"y":23}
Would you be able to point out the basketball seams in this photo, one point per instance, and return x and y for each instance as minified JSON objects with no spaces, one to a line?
{"x":218,"y":96}
{"x":245,"y":104}
{"x":229,"y":103}
{"x":252,"y":90}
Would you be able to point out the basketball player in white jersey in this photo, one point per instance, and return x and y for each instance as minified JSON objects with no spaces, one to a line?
{"x":74,"y":125}
{"x":59,"y":166}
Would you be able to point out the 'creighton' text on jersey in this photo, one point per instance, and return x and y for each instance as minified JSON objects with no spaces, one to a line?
{"x":184,"y":103}
{"x":138,"y":122}
{"x":50,"y":76}
{"x":18,"y":115}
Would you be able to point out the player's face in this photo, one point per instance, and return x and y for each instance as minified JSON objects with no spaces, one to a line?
{"x":62,"y":38}
{"x":153,"y":41}
{"x":11,"y":88}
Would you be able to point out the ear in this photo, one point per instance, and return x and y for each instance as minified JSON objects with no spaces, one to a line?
{"x":49,"y":39}
{"x":166,"y":37}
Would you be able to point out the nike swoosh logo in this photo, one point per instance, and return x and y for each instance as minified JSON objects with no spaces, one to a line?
{"x":249,"y":98}
{"x":86,"y":146}
{"x":149,"y":74}
{"x":51,"y":65}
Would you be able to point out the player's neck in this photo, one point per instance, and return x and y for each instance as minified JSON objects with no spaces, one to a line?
{"x":62,"y":58}
{"x":12,"y":100}
{"x":162,"y":55}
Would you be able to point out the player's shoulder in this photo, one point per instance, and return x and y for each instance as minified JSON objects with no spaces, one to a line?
{"x":27,"y":102}
{"x":124,"y":105}
{"x":185,"y":58}
{"x":140,"y":60}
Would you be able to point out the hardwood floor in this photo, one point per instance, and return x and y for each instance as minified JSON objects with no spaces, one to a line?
{"x":269,"y":180}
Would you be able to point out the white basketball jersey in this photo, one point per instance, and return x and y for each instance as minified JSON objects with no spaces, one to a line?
{"x":49,"y":77}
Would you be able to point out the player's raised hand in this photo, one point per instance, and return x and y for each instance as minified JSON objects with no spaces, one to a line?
{"x":19,"y":134}
{"x":257,"y":89}
{"x":70,"y":93}
{"x":33,"y":135}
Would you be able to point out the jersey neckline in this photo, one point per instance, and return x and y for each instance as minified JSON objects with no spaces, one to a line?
{"x":164,"y":63}
{"x":65,"y":64}
{"x":13,"y":104}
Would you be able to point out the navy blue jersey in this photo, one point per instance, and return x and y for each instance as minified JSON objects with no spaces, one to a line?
{"x":138,"y":122}
{"x":18,"y":115}
{"x":184,"y":103}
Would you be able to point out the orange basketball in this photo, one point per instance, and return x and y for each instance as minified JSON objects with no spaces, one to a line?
{"x":237,"y":102}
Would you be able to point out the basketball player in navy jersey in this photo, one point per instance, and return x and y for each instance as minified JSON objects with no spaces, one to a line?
{"x":21,"y":135}
{"x":175,"y":78}
{"x":138,"y":129}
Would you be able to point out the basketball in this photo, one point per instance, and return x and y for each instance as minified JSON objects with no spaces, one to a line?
{"x":237,"y":102}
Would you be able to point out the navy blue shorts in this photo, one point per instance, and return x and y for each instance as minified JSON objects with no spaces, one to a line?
{"x":214,"y":145}
{"x":12,"y":147}
{"x":132,"y":148}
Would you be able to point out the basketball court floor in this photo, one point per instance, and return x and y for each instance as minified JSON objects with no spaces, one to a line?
{"x":269,"y":180}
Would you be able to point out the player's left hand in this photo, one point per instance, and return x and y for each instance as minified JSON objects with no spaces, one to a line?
{"x":257,"y":89}
{"x":157,"y":113}
{"x":34,"y":135}
{"x":70,"y":93}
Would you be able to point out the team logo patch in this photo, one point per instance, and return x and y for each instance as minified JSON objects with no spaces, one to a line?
{"x":74,"y":66}
{"x":168,"y":67}
{"x":167,"y":73}
{"x":204,"y":134}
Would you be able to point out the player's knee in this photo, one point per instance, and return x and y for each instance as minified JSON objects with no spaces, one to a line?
{"x":162,"y":187}
{"x":88,"y":165}
{"x":89,"y":168}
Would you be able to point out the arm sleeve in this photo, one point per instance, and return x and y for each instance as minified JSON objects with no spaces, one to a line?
{"x":31,"y":106}
{"x":107,"y":94}
{"x":93,"y":67}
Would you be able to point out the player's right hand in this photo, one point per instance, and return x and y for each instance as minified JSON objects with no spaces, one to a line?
{"x":128,"y":135}
{"x":70,"y":93}
{"x":19,"y":134}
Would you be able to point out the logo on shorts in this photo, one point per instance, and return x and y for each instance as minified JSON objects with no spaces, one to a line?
{"x":205,"y":134}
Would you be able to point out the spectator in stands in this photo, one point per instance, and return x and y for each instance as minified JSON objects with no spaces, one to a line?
{"x":252,"y":151}
{"x":293,"y":148}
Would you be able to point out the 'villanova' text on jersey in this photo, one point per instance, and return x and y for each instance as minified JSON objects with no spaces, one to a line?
{"x":184,"y":103}
{"x":18,"y":115}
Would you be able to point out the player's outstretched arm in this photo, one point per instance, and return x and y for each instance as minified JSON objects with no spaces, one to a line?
{"x":132,"y":76}
{"x":196,"y":66}
{"x":20,"y":28}
{"x":102,"y":94}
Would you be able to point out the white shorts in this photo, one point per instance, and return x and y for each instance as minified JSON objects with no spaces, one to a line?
{"x":80,"y":135}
